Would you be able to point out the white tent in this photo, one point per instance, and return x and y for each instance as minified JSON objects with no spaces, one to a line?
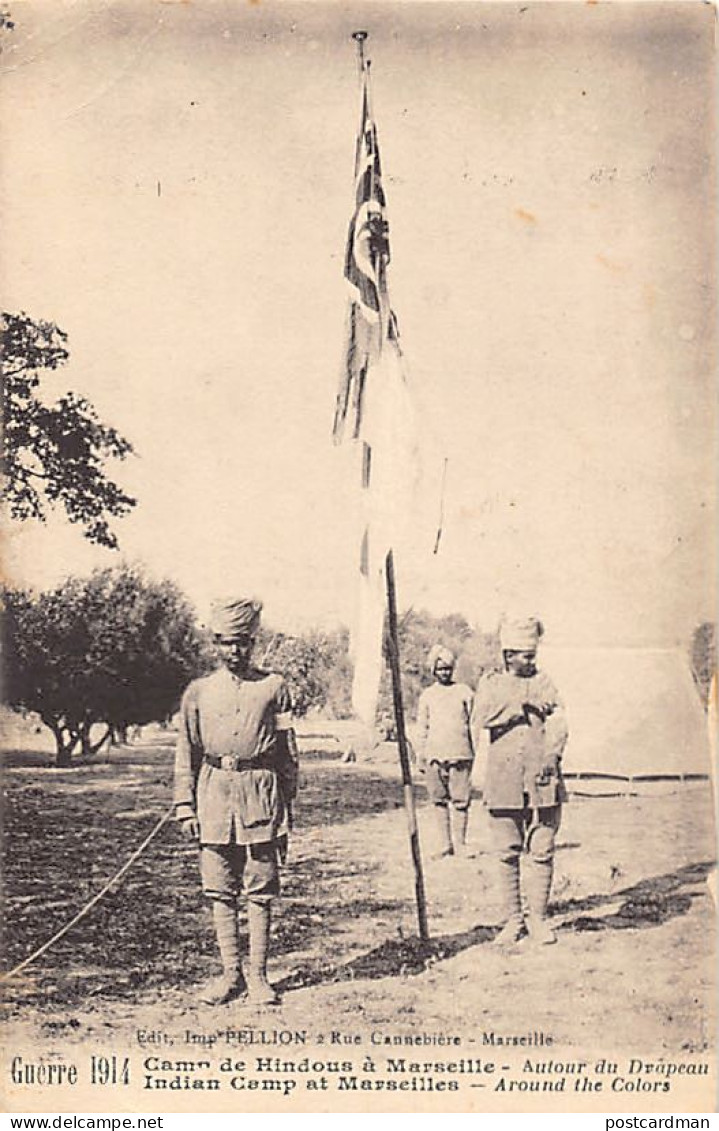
{"x":633,"y":712}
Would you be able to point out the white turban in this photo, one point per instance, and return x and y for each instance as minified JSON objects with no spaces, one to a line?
{"x":235,"y":616}
{"x":439,"y":652}
{"x":521,"y":634}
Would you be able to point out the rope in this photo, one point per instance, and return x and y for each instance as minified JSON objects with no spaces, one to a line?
{"x":95,"y":899}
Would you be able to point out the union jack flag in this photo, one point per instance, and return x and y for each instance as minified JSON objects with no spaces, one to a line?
{"x":374,"y":408}
{"x":371,"y":324}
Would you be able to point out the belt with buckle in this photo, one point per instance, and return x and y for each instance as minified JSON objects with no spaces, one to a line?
{"x":495,"y":733}
{"x":228,"y":762}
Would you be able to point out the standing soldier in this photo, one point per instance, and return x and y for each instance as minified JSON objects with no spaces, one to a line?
{"x":523,"y":789}
{"x":445,"y":751}
{"x":235,"y":778}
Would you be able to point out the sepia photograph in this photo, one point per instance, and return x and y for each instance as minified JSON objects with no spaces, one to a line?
{"x":359,"y":697}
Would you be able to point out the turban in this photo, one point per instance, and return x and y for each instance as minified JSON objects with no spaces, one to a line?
{"x":235,"y":616}
{"x":439,"y":653}
{"x":520,"y":634}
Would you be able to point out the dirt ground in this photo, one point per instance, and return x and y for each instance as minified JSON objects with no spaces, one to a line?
{"x":632,"y":972}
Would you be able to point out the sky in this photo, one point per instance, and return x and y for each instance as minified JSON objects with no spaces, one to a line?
{"x":176,"y":187}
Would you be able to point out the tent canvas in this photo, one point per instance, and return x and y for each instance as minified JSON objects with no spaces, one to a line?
{"x":633,"y":712}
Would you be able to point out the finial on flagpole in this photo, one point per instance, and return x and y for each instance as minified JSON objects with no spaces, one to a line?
{"x":359,"y":38}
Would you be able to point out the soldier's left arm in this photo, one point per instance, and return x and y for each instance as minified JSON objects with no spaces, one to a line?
{"x":555,"y":717}
{"x":286,"y":743}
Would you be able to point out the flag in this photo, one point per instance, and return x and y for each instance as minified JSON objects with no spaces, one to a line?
{"x":370,"y":321}
{"x":374,"y":408}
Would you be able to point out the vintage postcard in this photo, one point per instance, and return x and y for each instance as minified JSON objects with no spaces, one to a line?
{"x":336,"y":334}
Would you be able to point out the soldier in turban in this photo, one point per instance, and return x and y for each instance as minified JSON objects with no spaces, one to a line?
{"x":445,"y":750}
{"x":235,"y":778}
{"x":523,"y":788}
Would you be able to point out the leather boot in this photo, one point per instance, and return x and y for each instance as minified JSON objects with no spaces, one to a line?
{"x":258,"y":921}
{"x":537,"y":885}
{"x":231,"y":982}
{"x":445,"y":836}
{"x":508,"y":884}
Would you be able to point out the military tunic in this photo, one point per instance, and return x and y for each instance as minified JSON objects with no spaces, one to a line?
{"x":527,"y":732}
{"x":236,"y":720}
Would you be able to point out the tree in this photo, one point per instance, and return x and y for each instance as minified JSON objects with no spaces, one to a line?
{"x":318,"y":667}
{"x":315,"y":665}
{"x":55,"y":453}
{"x":113,"y":649}
{"x":418,"y":630}
{"x":703,"y":654}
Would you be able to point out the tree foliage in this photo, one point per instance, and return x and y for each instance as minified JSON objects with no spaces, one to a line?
{"x":318,"y":668}
{"x":315,"y":665}
{"x":55,"y":454}
{"x":703,"y":657}
{"x":418,"y":630}
{"x":116,"y":650}
{"x":112,"y":649}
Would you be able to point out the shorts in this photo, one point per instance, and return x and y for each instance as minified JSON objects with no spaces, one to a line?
{"x":228,"y":869}
{"x":450,"y":782}
{"x":532,"y":831}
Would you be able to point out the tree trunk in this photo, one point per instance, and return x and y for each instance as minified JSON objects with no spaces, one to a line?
{"x":65,"y":747}
{"x":86,"y":750}
{"x":93,"y":747}
{"x":118,"y":733}
{"x":62,"y":757}
{"x":65,"y":741}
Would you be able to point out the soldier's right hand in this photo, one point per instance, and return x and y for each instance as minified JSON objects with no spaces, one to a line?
{"x":191,"y":828}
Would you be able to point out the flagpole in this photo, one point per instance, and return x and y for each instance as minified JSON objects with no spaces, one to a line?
{"x":384,"y":314}
{"x":393,"y":651}
{"x":360,"y":37}
{"x":380,"y":262}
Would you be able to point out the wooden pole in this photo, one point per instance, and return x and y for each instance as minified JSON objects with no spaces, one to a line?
{"x":363,"y":64}
{"x":404,"y":749}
